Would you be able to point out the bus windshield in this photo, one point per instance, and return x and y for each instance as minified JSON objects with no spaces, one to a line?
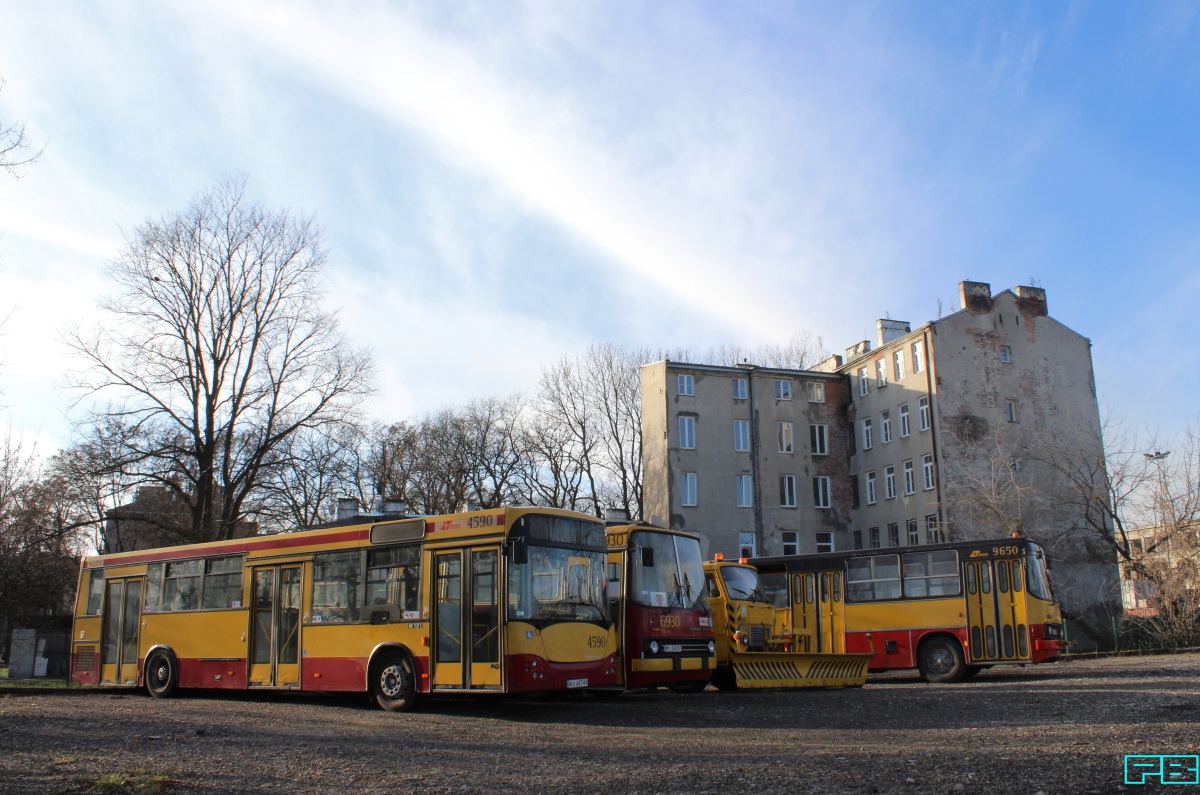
{"x":671,"y":575}
{"x":553,"y":584}
{"x":741,"y":583}
{"x":1039,"y":574}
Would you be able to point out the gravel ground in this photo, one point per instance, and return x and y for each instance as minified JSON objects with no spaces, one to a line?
{"x":1060,"y":728}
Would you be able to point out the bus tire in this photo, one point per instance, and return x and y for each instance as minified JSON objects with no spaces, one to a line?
{"x":941,"y":660}
{"x":394,"y":682}
{"x":161,"y":674}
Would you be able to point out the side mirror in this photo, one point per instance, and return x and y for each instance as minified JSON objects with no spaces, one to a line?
{"x":520,"y":553}
{"x":648,"y":557}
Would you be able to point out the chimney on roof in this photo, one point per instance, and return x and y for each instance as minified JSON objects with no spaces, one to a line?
{"x":888,"y":330}
{"x":1032,"y":300}
{"x":858,"y":349}
{"x":975,"y":297}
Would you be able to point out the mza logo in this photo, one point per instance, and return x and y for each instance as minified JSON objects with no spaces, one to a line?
{"x":1160,"y":769}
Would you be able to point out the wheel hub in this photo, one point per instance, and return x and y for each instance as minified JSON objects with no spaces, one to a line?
{"x":391,"y":681}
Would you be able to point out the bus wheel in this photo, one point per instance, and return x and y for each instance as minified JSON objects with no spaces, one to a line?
{"x":941,"y":660}
{"x":694,"y":686}
{"x":162,"y":677}
{"x":394,"y":685}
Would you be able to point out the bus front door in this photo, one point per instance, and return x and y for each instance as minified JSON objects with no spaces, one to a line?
{"x":1010,"y":598}
{"x":122,"y":620}
{"x":804,"y":612}
{"x":982,"y":625}
{"x":466,"y":652}
{"x":275,"y":627}
{"x":831,"y":638}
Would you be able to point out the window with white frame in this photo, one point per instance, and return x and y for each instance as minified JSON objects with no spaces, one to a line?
{"x":873,"y":535}
{"x":893,"y":534}
{"x":871,"y":494}
{"x":784,"y":432}
{"x":816,"y":392}
{"x":866,"y":434}
{"x":927,"y":473}
{"x":885,"y":427}
{"x":824,"y":541}
{"x":910,"y":481}
{"x":687,"y":488}
{"x":687,"y":385}
{"x":818,"y":437}
{"x":864,"y":383}
{"x":787,"y":491}
{"x":889,"y":483}
{"x":739,"y":389}
{"x":858,"y":539}
{"x":880,"y":372}
{"x":687,"y":433}
{"x":741,"y":436}
{"x":821,"y":492}
{"x":898,"y":363}
{"x":1005,"y":354}
{"x":918,"y":357}
{"x":745,"y":493}
{"x":914,"y":533}
{"x":1010,"y":410}
{"x":923,"y":413}
{"x":783,"y":390}
{"x":933,"y":534}
{"x":747,"y":545}
{"x":904,"y":424}
{"x":791,"y":542}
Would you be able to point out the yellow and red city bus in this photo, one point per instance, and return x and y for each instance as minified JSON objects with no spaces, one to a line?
{"x":949,"y":610}
{"x":656,"y":581}
{"x":508,"y":600}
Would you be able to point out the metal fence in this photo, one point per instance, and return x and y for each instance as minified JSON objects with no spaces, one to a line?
{"x":39,"y":654}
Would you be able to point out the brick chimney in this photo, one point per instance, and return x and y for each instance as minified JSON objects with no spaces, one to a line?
{"x":975,"y":297}
{"x":888,"y":330}
{"x":1031,"y":300}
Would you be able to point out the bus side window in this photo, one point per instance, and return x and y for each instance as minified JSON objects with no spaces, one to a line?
{"x":1016,"y":575}
{"x":971,"y":578}
{"x":798,"y":589}
{"x":810,"y":594}
{"x":837,"y":586}
{"x":985,"y":578}
{"x":1002,"y":575}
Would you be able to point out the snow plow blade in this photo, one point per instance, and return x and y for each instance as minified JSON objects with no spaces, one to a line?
{"x":796,"y":671}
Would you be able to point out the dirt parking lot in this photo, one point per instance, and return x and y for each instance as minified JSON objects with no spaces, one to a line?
{"x":1060,"y":728}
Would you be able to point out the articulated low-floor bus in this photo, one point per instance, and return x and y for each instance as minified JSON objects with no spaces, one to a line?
{"x":949,"y":610}
{"x":508,"y":600}
{"x":656,"y":595}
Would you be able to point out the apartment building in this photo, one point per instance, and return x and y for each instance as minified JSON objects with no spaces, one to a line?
{"x":751,"y":458}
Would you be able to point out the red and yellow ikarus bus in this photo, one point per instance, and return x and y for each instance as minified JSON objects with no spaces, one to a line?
{"x":949,"y":610}
{"x":508,"y":600}
{"x":656,"y":582}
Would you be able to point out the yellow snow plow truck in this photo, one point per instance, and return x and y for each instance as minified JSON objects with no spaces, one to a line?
{"x":757,"y":646}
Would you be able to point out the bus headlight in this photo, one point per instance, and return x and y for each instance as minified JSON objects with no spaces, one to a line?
{"x":654,"y":647}
{"x":712,"y":647}
{"x":1053,"y":631}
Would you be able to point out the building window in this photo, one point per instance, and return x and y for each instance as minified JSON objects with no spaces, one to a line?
{"x":784,"y":431}
{"x":687,"y":385}
{"x":687,"y":488}
{"x":885,"y":427}
{"x":818,"y":436}
{"x":880,"y":372}
{"x":866,"y":430}
{"x":893,"y":535}
{"x":933,"y":534}
{"x":910,"y":484}
{"x":870,"y":488}
{"x":791,"y":542}
{"x":873,"y":535}
{"x":745,"y":496}
{"x":824,"y":541}
{"x":923,"y":413}
{"x":747,"y":545}
{"x":904,"y":428}
{"x":1005,"y":354}
{"x":816,"y":392}
{"x":741,"y":436}
{"x":821,"y":492}
{"x":914,"y":533}
{"x":927,"y":471}
{"x":739,"y":389}
{"x":687,"y":433}
{"x":1010,"y":410}
{"x":889,"y":483}
{"x":783,"y":390}
{"x":918,"y":357}
{"x":787,"y":491}
{"x":864,"y":384}
{"x":898,"y":363}
{"x":858,"y":539}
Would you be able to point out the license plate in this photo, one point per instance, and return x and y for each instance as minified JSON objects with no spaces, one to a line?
{"x":670,"y":648}
{"x":577,"y":683}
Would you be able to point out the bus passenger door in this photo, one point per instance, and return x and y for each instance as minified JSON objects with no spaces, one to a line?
{"x":1010,"y":598}
{"x":275,"y":627}
{"x":485,"y":618}
{"x":804,"y":612}
{"x":466,"y":652}
{"x":122,"y":620}
{"x":832,"y":639}
{"x":981,"y":611}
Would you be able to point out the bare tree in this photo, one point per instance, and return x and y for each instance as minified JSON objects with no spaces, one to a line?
{"x":216,"y":350}
{"x":801,"y":351}
{"x":16,"y":150}
{"x":309,"y":470}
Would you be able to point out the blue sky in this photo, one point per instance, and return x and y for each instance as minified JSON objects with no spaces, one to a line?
{"x":504,"y":183}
